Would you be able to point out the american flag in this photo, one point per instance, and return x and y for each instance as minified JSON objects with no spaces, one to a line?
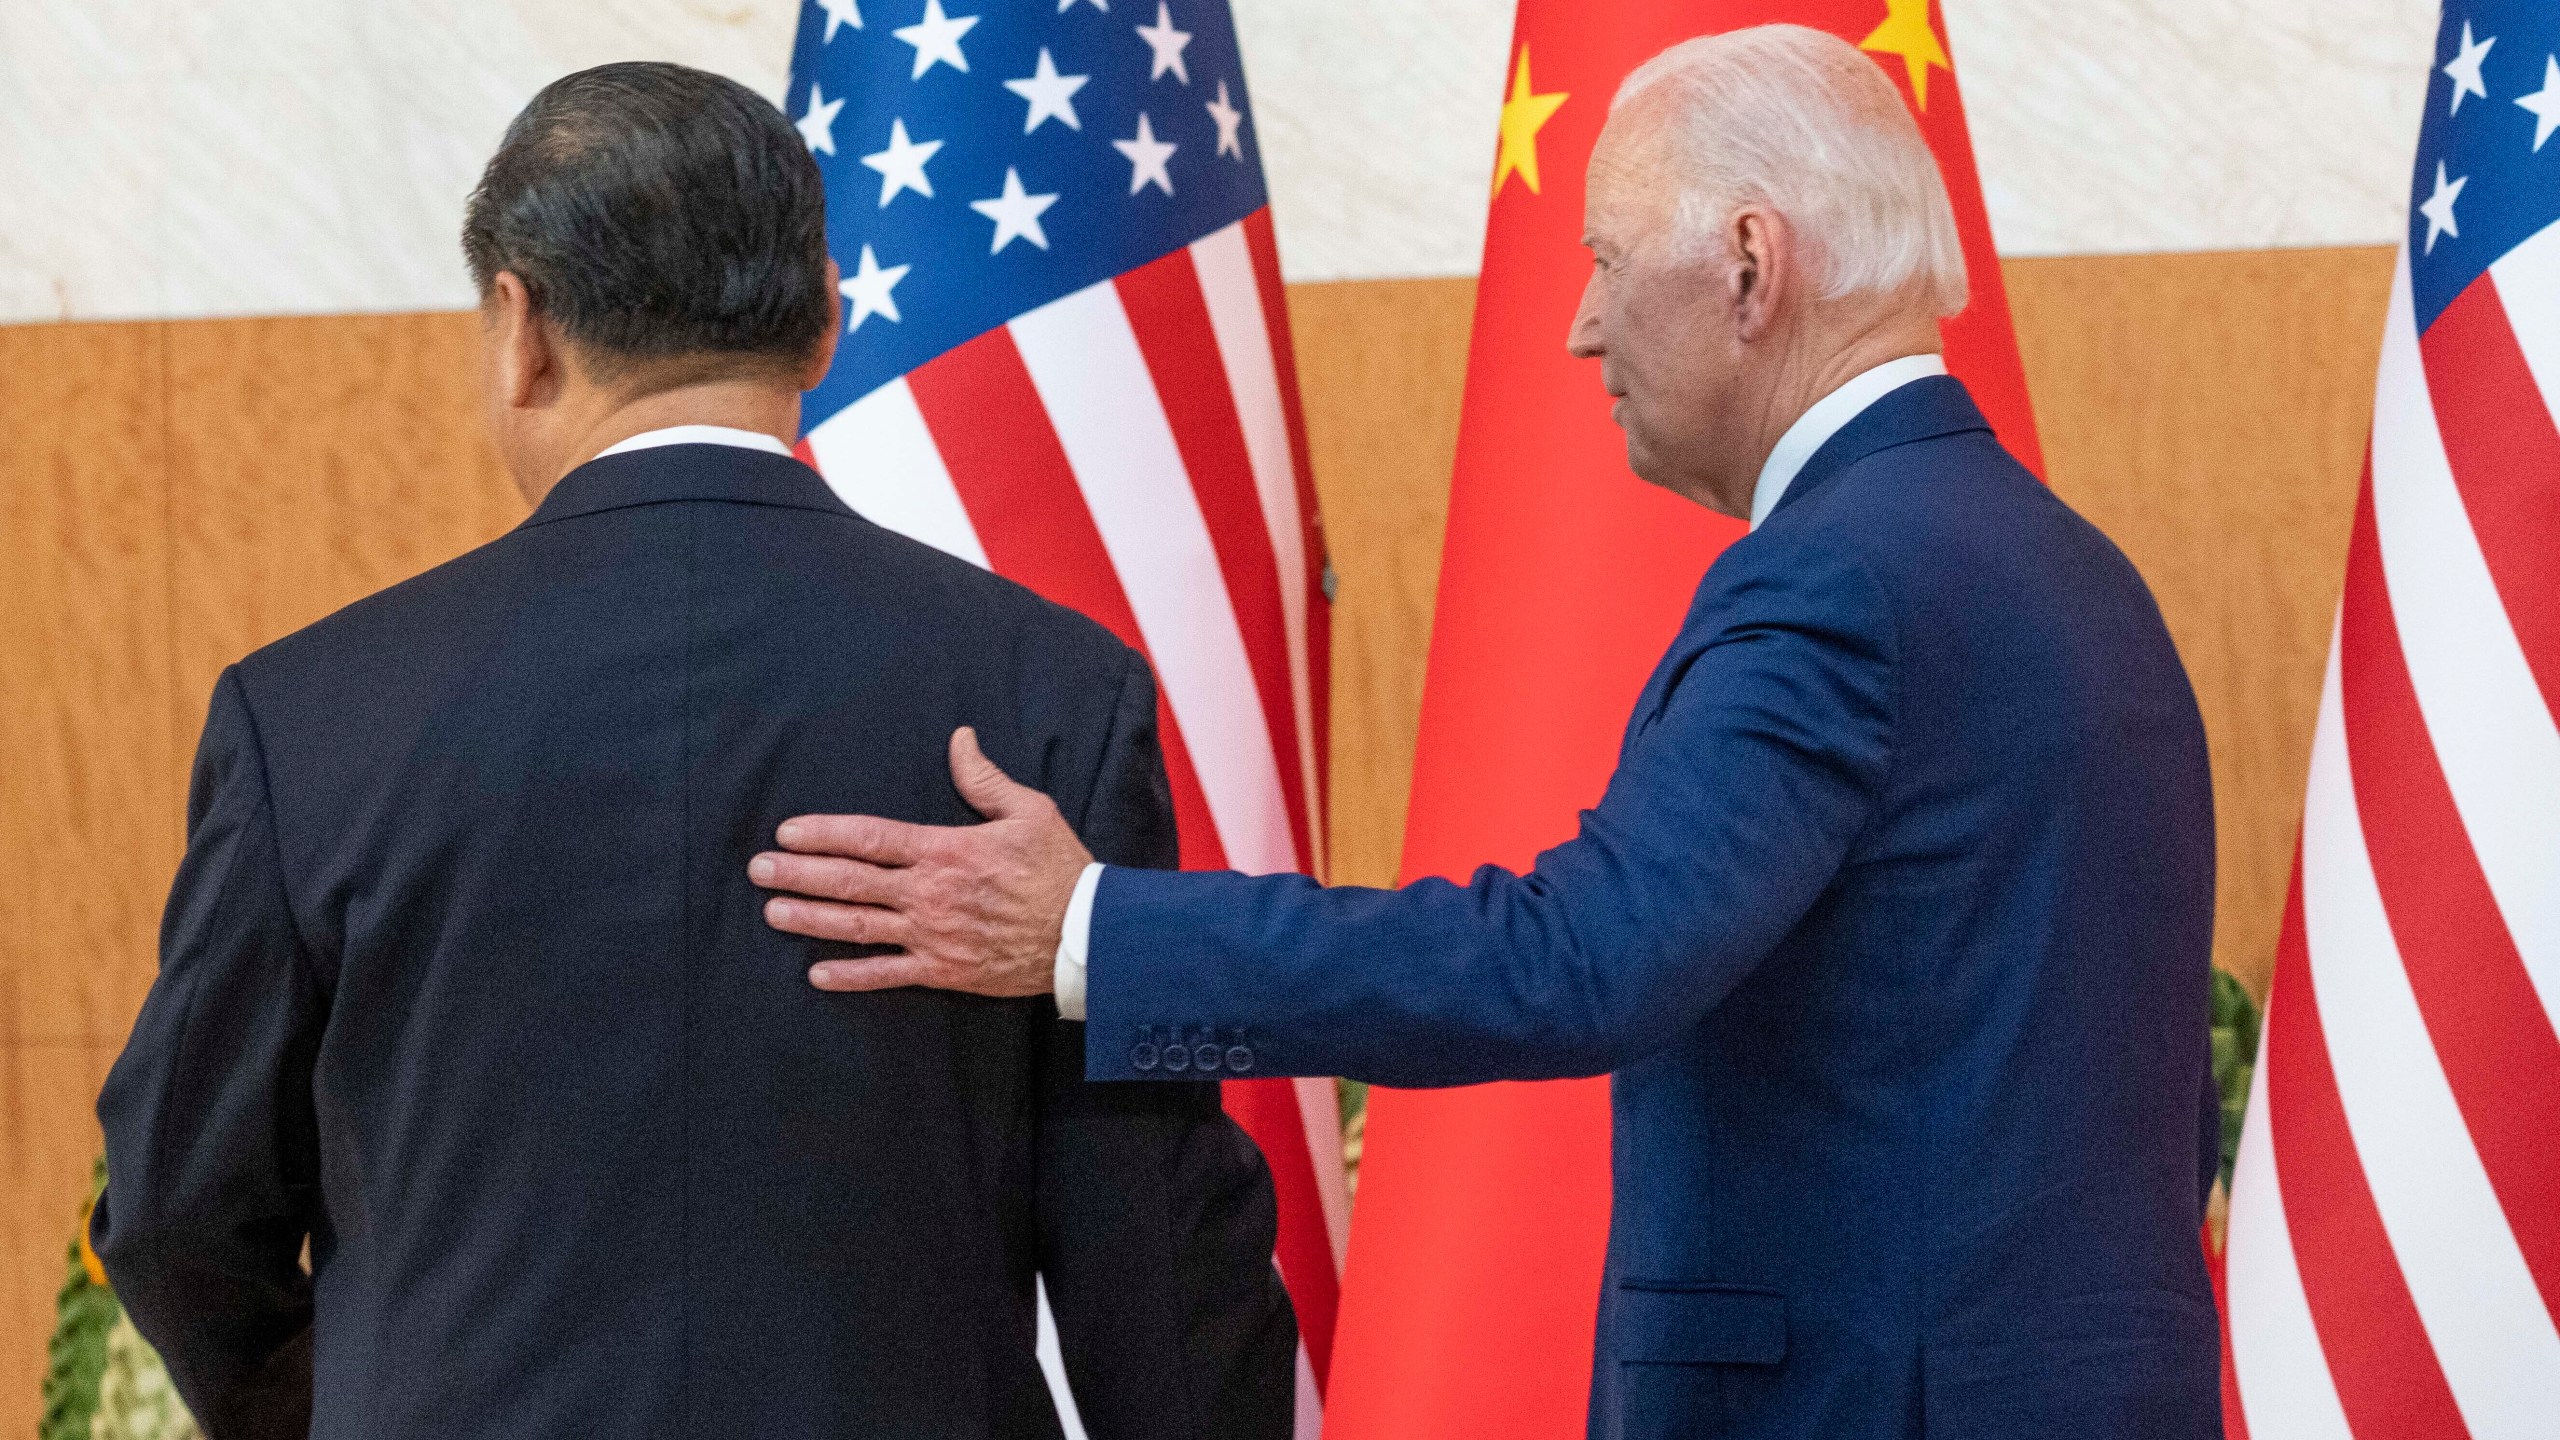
{"x":1067,"y":359}
{"x":2394,"y":1254}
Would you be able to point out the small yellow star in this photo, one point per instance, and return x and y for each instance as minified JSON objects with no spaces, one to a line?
{"x":1906,"y":32}
{"x":1522,"y":114}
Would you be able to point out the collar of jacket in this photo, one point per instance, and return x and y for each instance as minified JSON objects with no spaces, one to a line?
{"x":667,"y":473}
{"x":1922,"y":410}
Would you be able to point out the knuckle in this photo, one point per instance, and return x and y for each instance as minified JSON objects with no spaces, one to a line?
{"x":929,"y":913}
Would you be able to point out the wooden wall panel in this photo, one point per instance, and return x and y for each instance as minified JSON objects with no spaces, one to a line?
{"x":2209,"y":412}
{"x":1380,"y":365}
{"x":90,"y":827}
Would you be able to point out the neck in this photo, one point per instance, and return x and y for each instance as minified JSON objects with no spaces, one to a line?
{"x":1816,"y":359}
{"x":761,"y":406}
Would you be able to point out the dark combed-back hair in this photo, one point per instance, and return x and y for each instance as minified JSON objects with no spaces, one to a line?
{"x":654,"y":213}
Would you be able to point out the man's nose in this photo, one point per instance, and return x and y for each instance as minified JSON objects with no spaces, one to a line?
{"x":1582,"y":339}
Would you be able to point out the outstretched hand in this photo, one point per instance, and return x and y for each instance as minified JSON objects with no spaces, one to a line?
{"x":971,"y":907}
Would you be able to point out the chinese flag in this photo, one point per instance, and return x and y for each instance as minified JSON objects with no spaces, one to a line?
{"x":1474,"y":1271}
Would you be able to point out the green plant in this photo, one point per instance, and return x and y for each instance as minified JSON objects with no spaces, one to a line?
{"x":135,"y":1399}
{"x":1354,"y":1099}
{"x":2235,"y":1058}
{"x":85,"y":1310}
{"x":102,"y":1380}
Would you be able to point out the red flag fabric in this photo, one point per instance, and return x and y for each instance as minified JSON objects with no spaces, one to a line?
{"x":1473,"y":1278}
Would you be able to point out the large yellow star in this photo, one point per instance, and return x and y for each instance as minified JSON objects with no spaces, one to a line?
{"x":1906,"y":32}
{"x":1522,"y":114}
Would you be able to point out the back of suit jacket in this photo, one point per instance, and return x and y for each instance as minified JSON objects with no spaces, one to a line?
{"x":463,"y":978}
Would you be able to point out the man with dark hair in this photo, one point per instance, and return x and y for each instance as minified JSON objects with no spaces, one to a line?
{"x":425,"y":834}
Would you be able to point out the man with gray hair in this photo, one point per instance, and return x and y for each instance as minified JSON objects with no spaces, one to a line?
{"x":1893,"y":924}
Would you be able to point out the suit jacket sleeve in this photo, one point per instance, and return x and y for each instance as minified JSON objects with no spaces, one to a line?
{"x":1747,"y":776}
{"x":1157,"y":1218}
{"x":211,"y":1142}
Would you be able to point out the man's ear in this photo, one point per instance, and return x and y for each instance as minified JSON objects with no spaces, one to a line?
{"x":824,"y":356}
{"x":1763,"y":269}
{"x":529,"y":359}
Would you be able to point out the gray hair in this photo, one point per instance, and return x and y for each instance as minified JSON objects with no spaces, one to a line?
{"x":1799,"y":121}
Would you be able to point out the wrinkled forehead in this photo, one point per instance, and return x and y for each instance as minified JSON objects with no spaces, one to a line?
{"x":1635,"y":167}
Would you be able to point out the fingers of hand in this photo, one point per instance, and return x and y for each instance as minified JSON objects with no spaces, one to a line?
{"x":858,"y":837}
{"x":825,"y":877}
{"x":882,"y":972}
{"x":845,"y":924}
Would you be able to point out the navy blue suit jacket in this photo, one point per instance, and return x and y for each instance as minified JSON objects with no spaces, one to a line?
{"x":1892,"y":927}
{"x":463,"y":980}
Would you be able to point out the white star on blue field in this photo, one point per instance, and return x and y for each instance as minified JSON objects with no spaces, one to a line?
{"x":984,"y":157}
{"x":2486,"y":178}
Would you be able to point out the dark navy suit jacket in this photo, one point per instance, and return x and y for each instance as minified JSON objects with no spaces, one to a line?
{"x":463,"y":979}
{"x":1893,"y":928}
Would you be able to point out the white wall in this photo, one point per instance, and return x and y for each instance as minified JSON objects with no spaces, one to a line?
{"x":203,"y":157}
{"x":2132,"y":125}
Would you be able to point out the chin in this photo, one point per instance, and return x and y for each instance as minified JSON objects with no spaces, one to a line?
{"x":1650,"y":469}
{"x":1643,"y":461}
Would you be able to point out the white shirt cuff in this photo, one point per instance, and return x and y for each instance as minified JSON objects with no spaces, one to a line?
{"x":1075,"y":938}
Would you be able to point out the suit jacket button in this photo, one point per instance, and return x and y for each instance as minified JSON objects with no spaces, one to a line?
{"x":1142,"y":1056}
{"x":1239,"y":1059}
{"x":1177,"y":1058}
{"x":1206,"y":1057}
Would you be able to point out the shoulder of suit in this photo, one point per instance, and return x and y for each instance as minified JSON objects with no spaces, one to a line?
{"x":1047,"y":643}
{"x":1904,"y":496}
{"x":1911,"y":520}
{"x":1060,"y":630}
{"x":398,"y":614}
{"x":1852,"y":540}
{"x":1050,"y":642}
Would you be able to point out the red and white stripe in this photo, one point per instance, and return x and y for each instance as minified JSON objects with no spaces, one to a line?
{"x":1134,"y":450}
{"x":2394,"y":1254}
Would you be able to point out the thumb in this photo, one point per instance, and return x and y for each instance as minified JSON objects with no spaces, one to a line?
{"x":989,"y":790}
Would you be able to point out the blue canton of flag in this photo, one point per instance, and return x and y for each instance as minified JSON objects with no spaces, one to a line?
{"x":2488,"y":171}
{"x":981,"y":164}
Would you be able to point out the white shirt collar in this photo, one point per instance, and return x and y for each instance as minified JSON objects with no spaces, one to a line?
{"x":1829,"y":414}
{"x":698,"y":435}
